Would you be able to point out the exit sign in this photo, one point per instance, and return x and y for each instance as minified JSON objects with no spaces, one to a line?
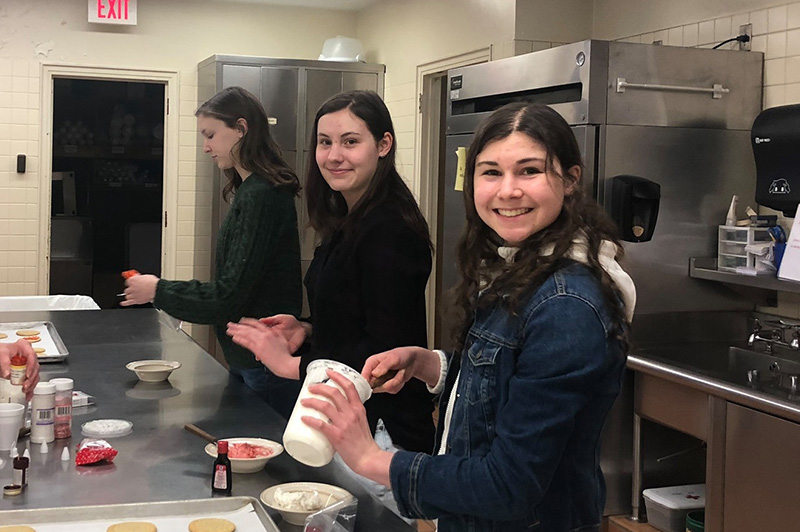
{"x":112,"y":12}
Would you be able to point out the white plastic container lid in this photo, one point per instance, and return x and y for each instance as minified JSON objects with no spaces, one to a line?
{"x":342,"y":49}
{"x":107,"y":428}
{"x":63,"y":384}
{"x":686,"y":497}
{"x":44,"y":388}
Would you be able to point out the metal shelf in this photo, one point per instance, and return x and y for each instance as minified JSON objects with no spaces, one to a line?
{"x":706,"y":268}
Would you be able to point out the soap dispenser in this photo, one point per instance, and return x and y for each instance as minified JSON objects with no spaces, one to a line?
{"x":634,"y":207}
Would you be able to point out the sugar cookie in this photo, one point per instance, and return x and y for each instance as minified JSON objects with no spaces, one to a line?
{"x":38,"y":350}
{"x":32,"y":339}
{"x":132,"y":526}
{"x":27,"y":332}
{"x":17,"y":528}
{"x":3,"y":335}
{"x":211,"y":524}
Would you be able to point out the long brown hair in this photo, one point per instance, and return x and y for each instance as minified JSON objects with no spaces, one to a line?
{"x":256,"y":151}
{"x":327,"y":209}
{"x":512,"y":283}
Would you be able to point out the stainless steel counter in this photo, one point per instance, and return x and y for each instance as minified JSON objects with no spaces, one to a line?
{"x":159,"y":461}
{"x":716,"y":369}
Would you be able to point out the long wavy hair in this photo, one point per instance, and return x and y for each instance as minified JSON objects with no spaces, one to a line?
{"x":256,"y":151}
{"x":512,"y":283}
{"x":327,"y":209}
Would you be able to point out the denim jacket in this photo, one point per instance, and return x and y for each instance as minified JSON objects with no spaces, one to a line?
{"x":523,"y":451}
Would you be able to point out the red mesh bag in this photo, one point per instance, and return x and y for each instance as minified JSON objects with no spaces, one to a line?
{"x":91,"y":451}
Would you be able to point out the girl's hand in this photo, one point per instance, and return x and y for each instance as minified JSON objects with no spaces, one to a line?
{"x":296,"y":332}
{"x":409,"y":362}
{"x":139,"y":289}
{"x":348,"y":430}
{"x":270,"y":347}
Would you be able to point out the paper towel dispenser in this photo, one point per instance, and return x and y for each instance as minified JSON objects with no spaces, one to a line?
{"x":634,"y":206}
{"x":775,"y":137}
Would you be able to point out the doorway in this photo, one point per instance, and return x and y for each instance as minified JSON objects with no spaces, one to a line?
{"x":109,"y":144}
{"x":429,"y":149}
{"x":107,"y":185}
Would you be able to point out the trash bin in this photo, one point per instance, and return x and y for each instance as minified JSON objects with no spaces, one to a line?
{"x":55,"y":302}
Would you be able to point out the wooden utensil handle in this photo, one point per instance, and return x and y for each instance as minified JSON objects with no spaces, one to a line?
{"x":380,"y":381}
{"x":194,"y":429}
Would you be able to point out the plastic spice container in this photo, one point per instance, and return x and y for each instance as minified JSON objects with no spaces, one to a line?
{"x":63,"y":415}
{"x":43,"y":409}
{"x":667,"y":507}
{"x":19,"y":364}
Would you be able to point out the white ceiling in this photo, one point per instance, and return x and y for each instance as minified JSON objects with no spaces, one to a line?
{"x":346,"y":5}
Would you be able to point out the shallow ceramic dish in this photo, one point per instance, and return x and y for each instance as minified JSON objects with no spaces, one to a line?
{"x":153,"y":370}
{"x":325,"y":493}
{"x":248,"y":465}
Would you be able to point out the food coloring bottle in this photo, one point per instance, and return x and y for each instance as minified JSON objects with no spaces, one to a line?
{"x":19,"y":364}
{"x":221,"y":476}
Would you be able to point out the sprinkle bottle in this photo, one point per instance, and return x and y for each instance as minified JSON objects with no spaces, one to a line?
{"x":43,"y":409}
{"x":221,"y":476}
{"x":63,"y":413}
{"x":19,"y":364}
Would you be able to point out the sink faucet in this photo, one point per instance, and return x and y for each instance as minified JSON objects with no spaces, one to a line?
{"x":774,"y":336}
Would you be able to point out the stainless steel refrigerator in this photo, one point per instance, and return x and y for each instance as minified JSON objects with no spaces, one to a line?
{"x":680,"y":117}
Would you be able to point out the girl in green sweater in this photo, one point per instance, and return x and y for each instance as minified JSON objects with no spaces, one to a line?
{"x":258,"y":251}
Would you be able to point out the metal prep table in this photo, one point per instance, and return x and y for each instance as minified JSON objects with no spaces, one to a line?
{"x":159,"y":461}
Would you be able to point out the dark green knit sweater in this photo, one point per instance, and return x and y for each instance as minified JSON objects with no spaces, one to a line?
{"x":257,"y":268}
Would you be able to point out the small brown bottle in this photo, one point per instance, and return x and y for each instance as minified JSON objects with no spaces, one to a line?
{"x":221,"y":476}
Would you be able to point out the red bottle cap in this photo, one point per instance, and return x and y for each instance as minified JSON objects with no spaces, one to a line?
{"x":19,"y":360}
{"x":222,"y":447}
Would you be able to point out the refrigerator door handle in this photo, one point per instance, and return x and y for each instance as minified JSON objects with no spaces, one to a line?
{"x":716,"y":91}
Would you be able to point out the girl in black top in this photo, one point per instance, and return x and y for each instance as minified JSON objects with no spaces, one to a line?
{"x":366,"y":283}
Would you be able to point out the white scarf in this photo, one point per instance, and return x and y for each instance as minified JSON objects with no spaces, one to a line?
{"x":607,"y":258}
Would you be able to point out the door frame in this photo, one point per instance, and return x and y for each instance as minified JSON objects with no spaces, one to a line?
{"x":170,"y":79}
{"x":426,"y":154}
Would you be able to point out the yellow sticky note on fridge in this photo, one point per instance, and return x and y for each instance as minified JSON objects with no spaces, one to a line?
{"x":461,"y":153}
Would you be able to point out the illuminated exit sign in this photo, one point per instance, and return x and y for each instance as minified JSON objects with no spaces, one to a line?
{"x":112,"y":12}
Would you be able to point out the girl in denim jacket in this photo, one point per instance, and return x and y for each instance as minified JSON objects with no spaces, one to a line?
{"x":540,"y":354}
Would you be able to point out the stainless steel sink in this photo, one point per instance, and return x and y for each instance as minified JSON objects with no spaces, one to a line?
{"x":777,"y":373}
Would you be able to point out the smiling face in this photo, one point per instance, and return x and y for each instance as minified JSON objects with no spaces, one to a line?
{"x":347,"y":153}
{"x":219,"y":140}
{"x":515,"y":194}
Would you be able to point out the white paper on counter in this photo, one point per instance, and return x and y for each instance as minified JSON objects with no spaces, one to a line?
{"x":790,"y":264}
{"x":244,"y":518}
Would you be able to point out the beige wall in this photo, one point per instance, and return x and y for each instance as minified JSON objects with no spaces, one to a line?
{"x":171,"y":35}
{"x":618,"y":18}
{"x":403,"y":34}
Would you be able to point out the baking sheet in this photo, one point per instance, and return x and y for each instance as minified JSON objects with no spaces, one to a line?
{"x":245,"y":512}
{"x":54,"y":348}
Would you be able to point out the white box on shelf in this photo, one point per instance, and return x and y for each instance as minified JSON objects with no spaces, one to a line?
{"x":732,"y":241}
{"x":790,"y":264}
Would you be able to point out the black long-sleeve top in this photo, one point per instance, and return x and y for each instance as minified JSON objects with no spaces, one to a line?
{"x":366,"y":292}
{"x":257,"y":268}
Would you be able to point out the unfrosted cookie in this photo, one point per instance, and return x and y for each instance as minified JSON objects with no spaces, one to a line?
{"x":38,"y":350}
{"x":132,"y":526}
{"x":211,"y":524}
{"x":27,"y":332}
{"x":3,"y":335}
{"x":17,"y":528}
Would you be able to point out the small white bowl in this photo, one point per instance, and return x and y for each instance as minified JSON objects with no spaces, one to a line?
{"x":328,"y":495}
{"x":153,"y":370}
{"x":248,"y":465}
